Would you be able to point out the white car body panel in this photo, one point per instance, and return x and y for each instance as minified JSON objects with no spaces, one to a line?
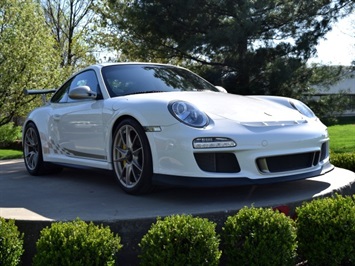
{"x":80,"y":133}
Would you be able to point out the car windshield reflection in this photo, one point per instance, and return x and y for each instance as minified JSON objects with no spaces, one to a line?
{"x":135,"y":79}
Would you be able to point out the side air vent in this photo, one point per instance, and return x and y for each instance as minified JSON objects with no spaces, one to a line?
{"x":324,"y":152}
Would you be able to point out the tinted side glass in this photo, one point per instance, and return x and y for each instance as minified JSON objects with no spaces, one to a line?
{"x":61,"y":96}
{"x":87,"y":78}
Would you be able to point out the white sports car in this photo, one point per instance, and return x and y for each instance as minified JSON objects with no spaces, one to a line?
{"x":156,"y":123}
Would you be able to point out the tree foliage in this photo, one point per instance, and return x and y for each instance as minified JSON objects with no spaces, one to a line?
{"x":327,"y":106}
{"x":71,"y":25}
{"x":250,"y":47}
{"x":27,"y":56}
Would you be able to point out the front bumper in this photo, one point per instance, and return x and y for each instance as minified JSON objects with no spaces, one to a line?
{"x":193,"y":181}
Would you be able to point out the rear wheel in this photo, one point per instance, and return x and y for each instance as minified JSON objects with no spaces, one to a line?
{"x":32,"y":153}
{"x":132,"y":160}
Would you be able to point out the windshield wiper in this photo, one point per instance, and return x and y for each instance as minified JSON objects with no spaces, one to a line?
{"x":142,"y":92}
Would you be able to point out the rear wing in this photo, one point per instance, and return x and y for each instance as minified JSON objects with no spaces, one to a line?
{"x":42,"y":92}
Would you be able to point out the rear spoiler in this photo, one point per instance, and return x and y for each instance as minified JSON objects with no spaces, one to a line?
{"x":29,"y":92}
{"x":42,"y":92}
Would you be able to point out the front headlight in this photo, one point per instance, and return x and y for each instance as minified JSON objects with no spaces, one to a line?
{"x":302,"y":108}
{"x":188,"y":114}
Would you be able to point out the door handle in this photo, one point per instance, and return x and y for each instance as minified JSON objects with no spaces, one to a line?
{"x":56,"y":117}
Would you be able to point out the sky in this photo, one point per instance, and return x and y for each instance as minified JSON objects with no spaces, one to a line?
{"x":338,"y":47}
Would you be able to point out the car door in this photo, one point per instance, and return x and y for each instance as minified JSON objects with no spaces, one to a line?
{"x":76,"y":125}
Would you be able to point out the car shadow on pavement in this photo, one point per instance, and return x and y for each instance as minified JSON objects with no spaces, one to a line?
{"x":92,"y":194}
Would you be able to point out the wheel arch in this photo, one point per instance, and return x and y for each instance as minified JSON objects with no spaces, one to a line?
{"x":40,"y":119}
{"x":133,"y":164}
{"x":119,"y":120}
{"x":113,"y":129}
{"x":25,"y":125}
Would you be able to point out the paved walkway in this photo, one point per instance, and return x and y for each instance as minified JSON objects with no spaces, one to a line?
{"x":94,"y":195}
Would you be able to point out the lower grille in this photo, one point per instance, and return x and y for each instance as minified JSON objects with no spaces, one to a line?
{"x":217,"y":162}
{"x":290,"y":162}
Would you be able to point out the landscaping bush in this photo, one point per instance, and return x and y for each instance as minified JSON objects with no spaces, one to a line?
{"x":76,"y":243}
{"x":180,"y":240}
{"x":343,"y":160}
{"x":257,"y":236}
{"x":11,"y":243}
{"x":9,"y":133}
{"x":326,"y":231}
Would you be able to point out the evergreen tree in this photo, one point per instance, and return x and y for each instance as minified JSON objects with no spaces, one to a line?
{"x":248,"y":46}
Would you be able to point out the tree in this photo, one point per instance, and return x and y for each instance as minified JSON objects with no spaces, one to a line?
{"x":326,"y":105}
{"x":71,"y":25}
{"x":250,"y":47}
{"x":27,"y":56}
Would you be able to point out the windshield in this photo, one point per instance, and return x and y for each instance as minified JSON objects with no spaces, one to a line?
{"x":133,"y":79}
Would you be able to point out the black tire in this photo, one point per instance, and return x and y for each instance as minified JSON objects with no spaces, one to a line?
{"x":131,"y":158}
{"x":32,"y":153}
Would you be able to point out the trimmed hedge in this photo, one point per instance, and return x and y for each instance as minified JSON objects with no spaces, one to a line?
{"x":76,"y":244}
{"x":11,"y":243}
{"x":180,"y":240}
{"x":257,"y":236}
{"x":326,"y":231}
{"x":343,"y":160}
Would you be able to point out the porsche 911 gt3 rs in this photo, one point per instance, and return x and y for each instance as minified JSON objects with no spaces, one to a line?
{"x":157,"y":123}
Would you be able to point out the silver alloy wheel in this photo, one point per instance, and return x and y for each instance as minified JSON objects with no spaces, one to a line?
{"x":31,"y":148}
{"x":128,"y":156}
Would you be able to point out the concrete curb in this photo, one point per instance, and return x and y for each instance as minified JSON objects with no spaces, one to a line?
{"x":36,"y":202}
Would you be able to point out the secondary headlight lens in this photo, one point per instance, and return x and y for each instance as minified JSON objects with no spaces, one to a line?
{"x":302,"y":108}
{"x":213,"y":142}
{"x":188,"y":114}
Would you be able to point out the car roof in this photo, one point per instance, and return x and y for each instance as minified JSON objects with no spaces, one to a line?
{"x":101,"y":65}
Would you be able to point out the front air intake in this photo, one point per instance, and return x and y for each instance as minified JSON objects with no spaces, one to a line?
{"x":290,"y":162}
{"x":217,"y":162}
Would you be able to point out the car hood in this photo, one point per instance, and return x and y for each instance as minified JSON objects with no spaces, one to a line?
{"x":242,"y":109}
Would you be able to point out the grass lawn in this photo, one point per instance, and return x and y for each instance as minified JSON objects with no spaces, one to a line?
{"x":10,"y":154}
{"x":342,"y":138}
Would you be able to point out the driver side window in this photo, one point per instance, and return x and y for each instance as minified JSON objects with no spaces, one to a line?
{"x":61,"y":96}
{"x":87,"y":78}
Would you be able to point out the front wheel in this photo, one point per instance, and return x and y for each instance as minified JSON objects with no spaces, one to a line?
{"x":132,"y":160}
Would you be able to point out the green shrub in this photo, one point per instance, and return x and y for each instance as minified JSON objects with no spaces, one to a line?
{"x":180,"y":240}
{"x":9,"y":133}
{"x":11,"y":243}
{"x":76,"y":243}
{"x":343,"y":160}
{"x":326,"y":231}
{"x":259,"y":236}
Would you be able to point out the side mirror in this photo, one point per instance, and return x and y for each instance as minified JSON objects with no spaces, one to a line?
{"x":221,"y":89}
{"x":82,"y":93}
